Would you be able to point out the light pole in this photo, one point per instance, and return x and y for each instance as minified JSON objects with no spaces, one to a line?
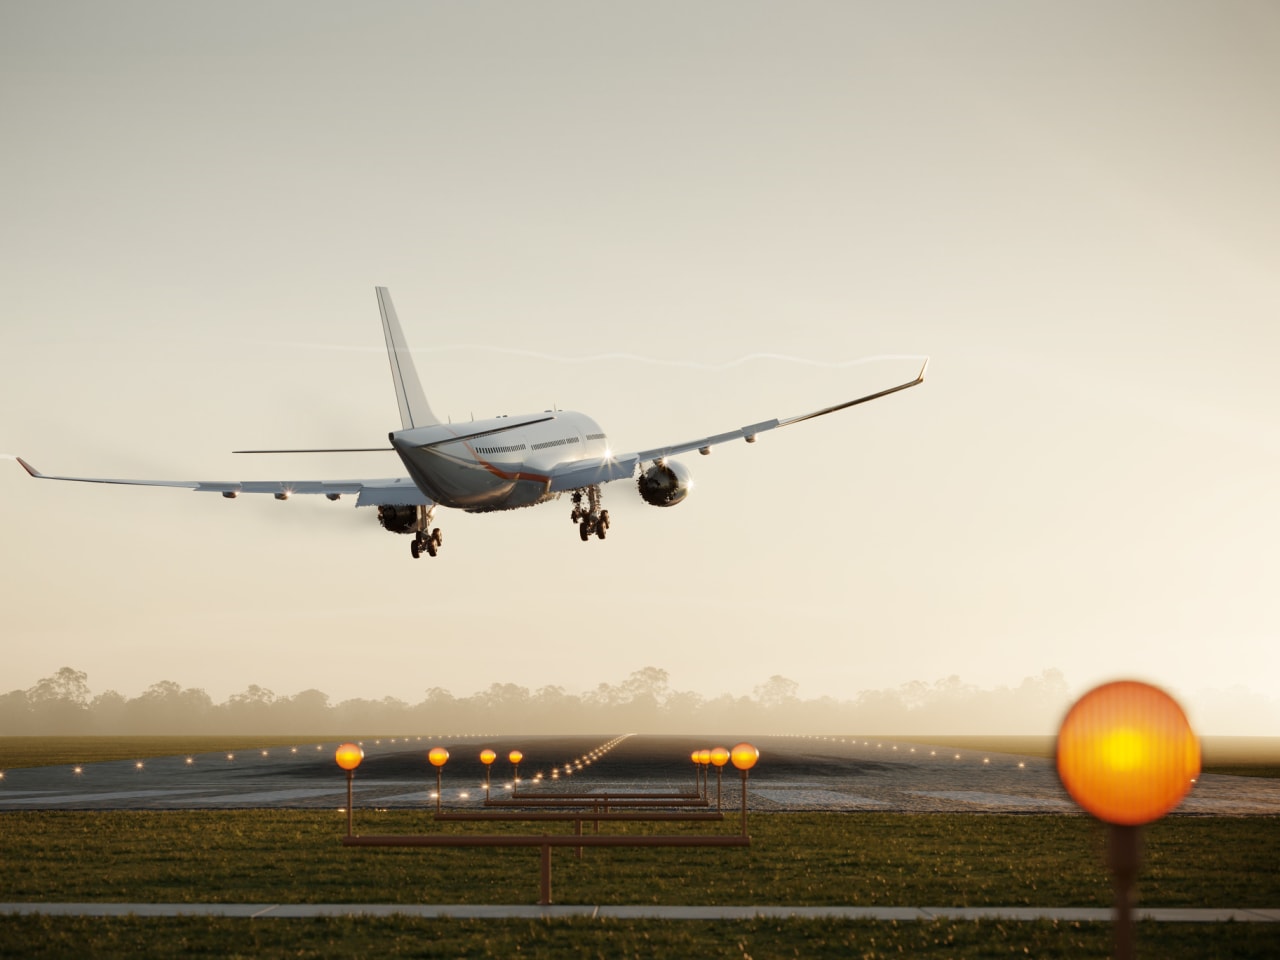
{"x":438,"y":756}
{"x":349,"y":756}
{"x":1127,"y":754}
{"x":719,"y":757}
{"x":515,"y":756}
{"x":487,"y":757}
{"x":744,"y":757}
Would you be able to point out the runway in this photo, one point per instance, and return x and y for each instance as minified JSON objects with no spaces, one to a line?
{"x":793,"y":774}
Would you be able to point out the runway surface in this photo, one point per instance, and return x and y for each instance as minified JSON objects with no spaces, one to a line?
{"x":793,"y":773}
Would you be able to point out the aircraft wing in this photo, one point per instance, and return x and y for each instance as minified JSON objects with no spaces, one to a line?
{"x":749,"y":433}
{"x":368,"y":493}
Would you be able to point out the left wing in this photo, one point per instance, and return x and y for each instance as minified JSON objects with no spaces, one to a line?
{"x":369,"y":493}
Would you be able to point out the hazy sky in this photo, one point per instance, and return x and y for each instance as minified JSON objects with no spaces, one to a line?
{"x":1073,"y":207}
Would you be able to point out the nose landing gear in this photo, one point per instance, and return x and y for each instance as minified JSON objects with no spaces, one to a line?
{"x":590,"y":519}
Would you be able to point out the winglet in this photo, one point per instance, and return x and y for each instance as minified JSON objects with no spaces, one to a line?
{"x":414,"y":409}
{"x":30,"y":469}
{"x":923,"y":367}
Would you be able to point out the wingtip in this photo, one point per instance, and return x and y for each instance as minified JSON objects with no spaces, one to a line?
{"x":28,"y":467}
{"x":923,"y":367}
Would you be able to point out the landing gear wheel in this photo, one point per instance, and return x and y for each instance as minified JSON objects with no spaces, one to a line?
{"x":437,"y":537}
{"x":600,"y":529}
{"x":584,"y":531}
{"x":415,"y":549}
{"x":432,"y":548}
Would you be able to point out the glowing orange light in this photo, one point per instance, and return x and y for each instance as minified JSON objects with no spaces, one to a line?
{"x":744,"y":756}
{"x":515,"y":756}
{"x":1126,"y":753}
{"x":438,"y":756}
{"x":696,"y":756}
{"x":704,"y":757}
{"x":348,"y":756}
{"x":719,"y":756}
{"x":487,"y":757}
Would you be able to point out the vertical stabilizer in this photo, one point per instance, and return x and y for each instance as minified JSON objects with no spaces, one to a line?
{"x":414,"y":409}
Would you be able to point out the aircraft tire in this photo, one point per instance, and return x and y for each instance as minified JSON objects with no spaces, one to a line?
{"x":413,"y":548}
{"x":600,"y":529}
{"x":584,"y":532}
{"x":437,"y":537}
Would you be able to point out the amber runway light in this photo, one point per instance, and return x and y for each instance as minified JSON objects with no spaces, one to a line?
{"x":349,"y":756}
{"x":1127,"y":754}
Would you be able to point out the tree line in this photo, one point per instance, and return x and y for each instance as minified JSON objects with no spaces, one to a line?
{"x":643,"y":703}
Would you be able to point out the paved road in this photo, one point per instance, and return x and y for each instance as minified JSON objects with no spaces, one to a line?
{"x":794,"y":773}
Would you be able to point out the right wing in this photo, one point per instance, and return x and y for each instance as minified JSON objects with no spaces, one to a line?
{"x":574,"y":474}
{"x":748,"y":433}
{"x":369,"y":493}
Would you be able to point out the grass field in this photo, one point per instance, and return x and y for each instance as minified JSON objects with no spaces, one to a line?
{"x":288,"y":856}
{"x":39,"y":938}
{"x":282,"y":856}
{"x":294,"y":856}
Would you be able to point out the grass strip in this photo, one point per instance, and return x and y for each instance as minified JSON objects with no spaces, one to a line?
{"x":295,"y":856}
{"x":48,"y":937}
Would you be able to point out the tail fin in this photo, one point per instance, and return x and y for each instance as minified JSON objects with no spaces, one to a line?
{"x":414,"y":409}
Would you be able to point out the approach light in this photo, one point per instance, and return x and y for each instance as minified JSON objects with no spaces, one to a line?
{"x":719,"y":756}
{"x":348,"y":756}
{"x":744,"y":756}
{"x":487,"y":757}
{"x":704,"y":757}
{"x":438,"y":756}
{"x":1126,"y":753}
{"x":191,"y":760}
{"x":515,"y":756}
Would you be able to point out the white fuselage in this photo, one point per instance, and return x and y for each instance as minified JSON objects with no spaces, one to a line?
{"x":496,"y":464}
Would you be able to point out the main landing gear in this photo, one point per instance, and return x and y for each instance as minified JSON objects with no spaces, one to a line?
{"x":428,"y":543}
{"x":590,"y":519}
{"x":425,"y":539}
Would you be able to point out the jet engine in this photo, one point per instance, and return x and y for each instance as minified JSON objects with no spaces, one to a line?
{"x":399,"y":518}
{"x":665,"y":483}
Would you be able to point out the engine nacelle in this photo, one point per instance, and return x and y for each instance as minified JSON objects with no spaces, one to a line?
{"x":399,"y":517}
{"x":665,"y":484}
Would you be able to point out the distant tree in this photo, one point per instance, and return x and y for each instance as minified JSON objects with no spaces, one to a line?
{"x":650,"y":682}
{"x":67,"y":686}
{"x":15,"y":713}
{"x":60,"y":704}
{"x":109,"y":713}
{"x":778,"y":692}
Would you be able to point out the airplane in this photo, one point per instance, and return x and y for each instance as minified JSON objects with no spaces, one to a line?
{"x":502,"y":463}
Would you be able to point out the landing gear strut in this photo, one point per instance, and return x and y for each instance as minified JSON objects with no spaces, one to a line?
{"x":425,"y":539}
{"x":590,"y":519}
